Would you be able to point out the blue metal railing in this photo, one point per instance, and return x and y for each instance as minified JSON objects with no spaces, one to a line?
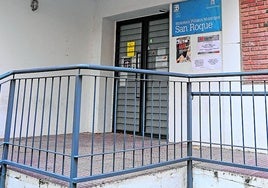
{"x":85,"y":122}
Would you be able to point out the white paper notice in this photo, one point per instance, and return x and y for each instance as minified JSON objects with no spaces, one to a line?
{"x":208,"y":55}
{"x":208,"y":47}
{"x":213,"y":62}
{"x":208,"y":44}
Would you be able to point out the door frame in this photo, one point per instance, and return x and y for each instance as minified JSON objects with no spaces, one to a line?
{"x":144,"y":55}
{"x":144,"y":42}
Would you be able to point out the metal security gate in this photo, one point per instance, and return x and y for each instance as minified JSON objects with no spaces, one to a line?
{"x":142,"y":106}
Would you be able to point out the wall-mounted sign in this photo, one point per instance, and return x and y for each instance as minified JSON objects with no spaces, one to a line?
{"x":196,"y":16}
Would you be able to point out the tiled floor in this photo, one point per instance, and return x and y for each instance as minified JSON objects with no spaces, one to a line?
{"x":105,"y":153}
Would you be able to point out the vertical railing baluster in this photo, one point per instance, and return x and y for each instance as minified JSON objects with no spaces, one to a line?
{"x":42,"y":122}
{"x":174,"y":119}
{"x":266,"y":117}
{"x":189,"y":136}
{"x":209,"y":120}
{"x":200,"y":118}
{"x":242,"y":120}
{"x":159,"y":122}
{"x":220,"y":120}
{"x":57,"y":124}
{"x":116,"y":86}
{"x":21,"y":120}
{"x":231,"y":120}
{"x":181,"y":106}
{"x":125,"y":122}
{"x":93,"y":125}
{"x":254,"y":123}
{"x":143,"y":116}
{"x":104,"y":124}
{"x":28,"y":120}
{"x":35,"y":119}
{"x":135,"y":123}
{"x":65,"y":125}
{"x":7,"y":132}
{"x":16,"y":106}
{"x":49,"y":121}
{"x":151,"y":124}
{"x":76,"y":129}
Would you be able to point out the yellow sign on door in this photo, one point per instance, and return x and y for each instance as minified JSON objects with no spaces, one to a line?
{"x":131,"y":49}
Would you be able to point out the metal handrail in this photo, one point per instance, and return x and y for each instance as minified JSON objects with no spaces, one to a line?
{"x":131,"y":70}
{"x":187,"y":89}
{"x":91,"y":67}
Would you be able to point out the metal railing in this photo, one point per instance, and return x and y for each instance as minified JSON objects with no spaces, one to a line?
{"x":86,"y":122}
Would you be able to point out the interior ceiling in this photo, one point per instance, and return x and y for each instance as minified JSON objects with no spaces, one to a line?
{"x":141,"y":13}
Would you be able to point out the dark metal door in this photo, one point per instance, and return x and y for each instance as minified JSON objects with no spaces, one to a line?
{"x":142,"y":106}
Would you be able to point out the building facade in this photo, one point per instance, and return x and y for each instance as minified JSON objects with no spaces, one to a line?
{"x":192,"y":37}
{"x":85,"y":32}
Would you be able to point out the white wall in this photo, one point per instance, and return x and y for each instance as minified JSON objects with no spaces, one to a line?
{"x":58,"y":33}
{"x":114,"y":8}
{"x":231,"y":47}
{"x":171,"y":178}
{"x":63,"y":32}
{"x":72,"y":32}
{"x":204,"y":178}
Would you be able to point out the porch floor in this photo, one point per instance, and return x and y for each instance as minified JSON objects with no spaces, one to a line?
{"x":122,"y":151}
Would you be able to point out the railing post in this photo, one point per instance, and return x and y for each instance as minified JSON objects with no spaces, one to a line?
{"x":76,"y":129}
{"x":7,"y":132}
{"x":189,"y":136}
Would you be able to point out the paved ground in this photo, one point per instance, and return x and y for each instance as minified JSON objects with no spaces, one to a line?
{"x":121,"y":152}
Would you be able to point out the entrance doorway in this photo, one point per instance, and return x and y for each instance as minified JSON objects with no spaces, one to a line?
{"x":142,"y":106}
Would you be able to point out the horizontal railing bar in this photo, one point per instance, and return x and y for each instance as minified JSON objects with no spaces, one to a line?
{"x":4,"y":82}
{"x":127,"y":171}
{"x":237,"y":165}
{"x":228,"y":145}
{"x":38,"y":149}
{"x":6,"y":74}
{"x":228,"y":74}
{"x":123,"y":69}
{"x":129,"y":150}
{"x":225,"y":145}
{"x":44,"y":77}
{"x":218,"y":94}
{"x":35,"y":170}
{"x":91,"y":67}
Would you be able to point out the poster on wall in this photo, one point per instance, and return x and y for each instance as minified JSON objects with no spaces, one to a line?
{"x":208,"y":53}
{"x":183,"y":49}
{"x":196,"y":16}
{"x":208,"y":44}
